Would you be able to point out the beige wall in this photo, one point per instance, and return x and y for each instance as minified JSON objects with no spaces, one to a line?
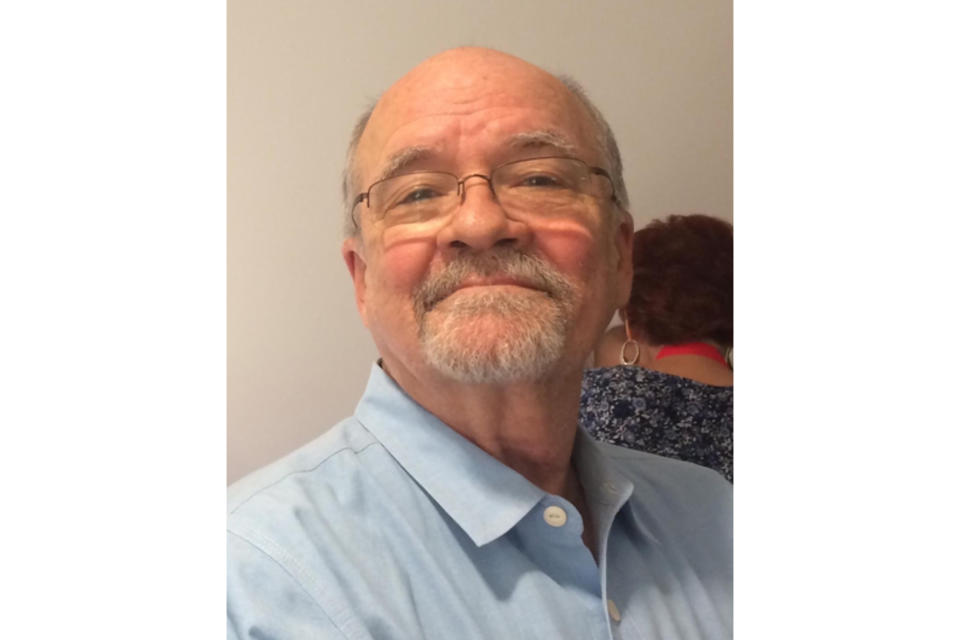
{"x":300,"y":71}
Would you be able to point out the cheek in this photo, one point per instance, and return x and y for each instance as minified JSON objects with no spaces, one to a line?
{"x":572,"y":248}
{"x":586,"y":255}
{"x":400,"y":266}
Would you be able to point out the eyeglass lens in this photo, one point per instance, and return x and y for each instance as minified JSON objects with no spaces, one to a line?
{"x":539,"y":186}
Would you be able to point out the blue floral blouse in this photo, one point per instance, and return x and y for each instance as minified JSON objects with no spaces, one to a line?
{"x":660,"y":413}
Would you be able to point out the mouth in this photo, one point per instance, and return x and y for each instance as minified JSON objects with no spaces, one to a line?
{"x":497,"y":274}
{"x":501,"y":281}
{"x":478,"y":283}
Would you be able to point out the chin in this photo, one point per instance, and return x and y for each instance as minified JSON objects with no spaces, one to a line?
{"x":498,"y":340}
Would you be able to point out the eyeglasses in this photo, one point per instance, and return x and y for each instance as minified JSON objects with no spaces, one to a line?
{"x":552,"y":186}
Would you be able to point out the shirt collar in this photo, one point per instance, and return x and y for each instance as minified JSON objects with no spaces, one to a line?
{"x":483,"y":496}
{"x":608,"y":489}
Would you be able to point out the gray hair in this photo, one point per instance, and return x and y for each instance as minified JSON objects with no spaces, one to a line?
{"x":349,"y":183}
{"x":605,"y":141}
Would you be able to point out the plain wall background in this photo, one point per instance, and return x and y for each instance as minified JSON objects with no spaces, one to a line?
{"x":300,"y":72}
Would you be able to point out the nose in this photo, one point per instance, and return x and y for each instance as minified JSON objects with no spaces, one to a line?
{"x":480,"y":223}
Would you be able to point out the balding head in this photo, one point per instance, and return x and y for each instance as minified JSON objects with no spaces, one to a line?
{"x":457,"y":81}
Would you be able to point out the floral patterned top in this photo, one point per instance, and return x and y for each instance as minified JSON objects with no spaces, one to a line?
{"x":660,"y":413}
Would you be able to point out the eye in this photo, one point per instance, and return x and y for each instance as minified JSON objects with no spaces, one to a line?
{"x":416,"y":190}
{"x":540,"y":180}
{"x":418,"y":195}
{"x":540,"y":174}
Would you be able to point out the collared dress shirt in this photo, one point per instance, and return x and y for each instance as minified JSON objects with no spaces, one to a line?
{"x":391,"y":526}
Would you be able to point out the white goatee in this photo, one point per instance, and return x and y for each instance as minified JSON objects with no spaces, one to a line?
{"x":495,"y":335}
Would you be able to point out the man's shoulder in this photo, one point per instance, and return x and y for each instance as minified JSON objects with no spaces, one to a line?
{"x":282,"y":520}
{"x":687,"y":504}
{"x":314,"y":464}
{"x":654,"y":465}
{"x":681,"y":481}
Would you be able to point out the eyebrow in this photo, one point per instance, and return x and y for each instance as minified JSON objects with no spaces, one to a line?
{"x":398,"y":161}
{"x":540,"y":139}
{"x":401,"y":160}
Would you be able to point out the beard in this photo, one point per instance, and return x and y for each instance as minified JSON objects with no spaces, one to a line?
{"x":495,"y":335}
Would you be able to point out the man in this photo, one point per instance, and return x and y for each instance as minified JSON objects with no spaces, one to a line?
{"x":488,"y":246}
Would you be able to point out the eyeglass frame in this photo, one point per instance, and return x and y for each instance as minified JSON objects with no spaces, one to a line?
{"x":461,"y":191}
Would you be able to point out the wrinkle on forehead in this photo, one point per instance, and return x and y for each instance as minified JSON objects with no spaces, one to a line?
{"x":548,"y":141}
{"x":466,"y":82}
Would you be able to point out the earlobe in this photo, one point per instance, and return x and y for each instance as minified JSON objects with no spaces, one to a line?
{"x":357,"y":266}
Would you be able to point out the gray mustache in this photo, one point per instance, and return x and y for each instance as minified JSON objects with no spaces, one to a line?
{"x":528,"y":270}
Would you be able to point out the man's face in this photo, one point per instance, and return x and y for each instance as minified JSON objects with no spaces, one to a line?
{"x":482,"y":294}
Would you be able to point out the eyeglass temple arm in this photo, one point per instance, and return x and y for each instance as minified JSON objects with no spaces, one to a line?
{"x":606,"y":174}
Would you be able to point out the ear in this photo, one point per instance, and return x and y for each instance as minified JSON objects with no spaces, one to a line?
{"x":352,"y":252}
{"x":623,"y":241}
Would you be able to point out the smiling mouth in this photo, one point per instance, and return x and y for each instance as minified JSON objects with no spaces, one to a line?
{"x":500,"y":269}
{"x":486,"y":283}
{"x":495,"y":282}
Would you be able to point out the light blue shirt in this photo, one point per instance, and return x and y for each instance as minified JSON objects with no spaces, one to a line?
{"x":393,"y":526}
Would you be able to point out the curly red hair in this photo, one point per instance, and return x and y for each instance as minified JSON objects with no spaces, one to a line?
{"x":683,"y":281}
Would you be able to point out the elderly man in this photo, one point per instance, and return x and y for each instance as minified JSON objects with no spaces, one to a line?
{"x":489,"y":245}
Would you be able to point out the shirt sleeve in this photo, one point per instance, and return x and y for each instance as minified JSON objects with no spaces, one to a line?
{"x":264,"y":600}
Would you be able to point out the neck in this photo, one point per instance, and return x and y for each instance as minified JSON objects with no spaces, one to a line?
{"x":647,"y":355}
{"x":528,"y":426}
{"x":708,"y":368}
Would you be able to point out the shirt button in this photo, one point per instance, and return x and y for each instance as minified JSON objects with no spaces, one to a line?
{"x":555,"y":516}
{"x":614,"y":612}
{"x":610,"y":487}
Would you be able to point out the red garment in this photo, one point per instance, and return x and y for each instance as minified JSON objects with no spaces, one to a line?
{"x":692,"y":349}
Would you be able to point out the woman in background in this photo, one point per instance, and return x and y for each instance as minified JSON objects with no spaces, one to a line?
{"x":665,"y":380}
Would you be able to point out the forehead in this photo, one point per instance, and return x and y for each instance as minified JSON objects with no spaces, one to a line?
{"x":465,"y":110}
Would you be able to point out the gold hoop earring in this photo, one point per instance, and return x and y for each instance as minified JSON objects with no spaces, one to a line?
{"x":630,"y":341}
